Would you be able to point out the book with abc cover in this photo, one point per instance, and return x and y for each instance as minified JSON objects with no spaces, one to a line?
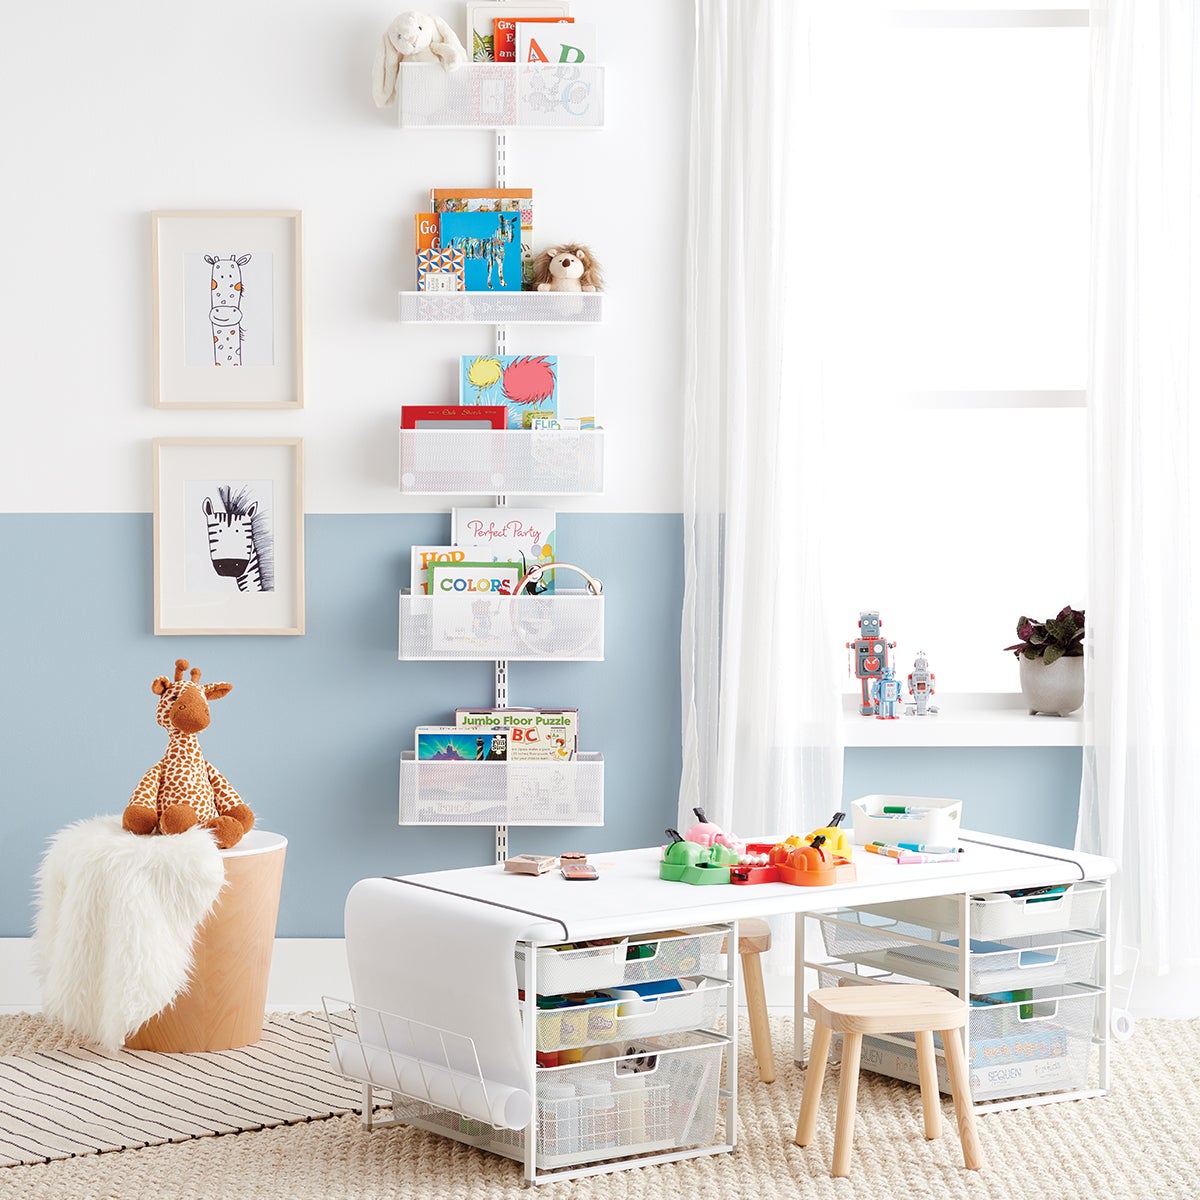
{"x":535,"y":734}
{"x":448,"y":743}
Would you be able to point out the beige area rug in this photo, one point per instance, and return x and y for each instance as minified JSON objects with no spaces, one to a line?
{"x":1142,"y":1142}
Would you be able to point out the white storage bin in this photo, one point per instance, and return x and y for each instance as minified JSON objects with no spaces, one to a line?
{"x":644,"y":959}
{"x":562,"y":969}
{"x":623,"y":1017}
{"x":999,"y":915}
{"x":499,"y":95}
{"x":527,"y":462}
{"x":937,"y":827}
{"x":663,"y":1096}
{"x":567,"y":626}
{"x":502,"y":793}
{"x":670,"y":955}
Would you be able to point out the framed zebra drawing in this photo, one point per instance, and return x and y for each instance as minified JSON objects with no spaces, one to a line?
{"x":228,"y":536}
{"x":227,"y":321}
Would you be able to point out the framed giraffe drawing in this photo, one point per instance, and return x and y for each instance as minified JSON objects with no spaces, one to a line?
{"x":228,"y":536}
{"x":227,"y":310}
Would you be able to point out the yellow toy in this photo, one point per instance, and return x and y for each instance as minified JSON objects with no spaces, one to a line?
{"x":836,"y":840}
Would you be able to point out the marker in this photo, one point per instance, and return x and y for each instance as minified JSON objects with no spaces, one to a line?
{"x":925,"y":848}
{"x":899,"y":809}
{"x":884,"y":849}
{"x":908,"y":857}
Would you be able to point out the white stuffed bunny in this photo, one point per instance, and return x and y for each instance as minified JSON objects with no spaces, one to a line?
{"x":413,"y":37}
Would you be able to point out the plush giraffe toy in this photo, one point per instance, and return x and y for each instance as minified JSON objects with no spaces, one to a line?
{"x":181,"y":789}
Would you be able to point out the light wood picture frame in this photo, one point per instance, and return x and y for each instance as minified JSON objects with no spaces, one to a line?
{"x":228,"y":536}
{"x":227,"y":309}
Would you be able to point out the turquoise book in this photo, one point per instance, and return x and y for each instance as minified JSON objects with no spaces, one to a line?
{"x":525,"y":384}
{"x":490,"y":243}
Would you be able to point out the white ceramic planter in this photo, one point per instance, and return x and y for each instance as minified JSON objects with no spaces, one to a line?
{"x":1056,"y":689}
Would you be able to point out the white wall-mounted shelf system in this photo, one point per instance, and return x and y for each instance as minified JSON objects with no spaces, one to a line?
{"x":568,"y":626}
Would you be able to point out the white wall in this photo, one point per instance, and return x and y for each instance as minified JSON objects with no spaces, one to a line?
{"x":139,"y":105}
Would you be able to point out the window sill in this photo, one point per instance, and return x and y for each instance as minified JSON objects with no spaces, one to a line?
{"x":964,"y":719}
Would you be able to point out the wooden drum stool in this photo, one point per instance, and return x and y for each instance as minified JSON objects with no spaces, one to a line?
{"x":225,"y":1001}
{"x":888,"y":1008}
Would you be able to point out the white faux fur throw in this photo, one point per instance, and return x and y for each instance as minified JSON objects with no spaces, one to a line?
{"x":117,"y":916}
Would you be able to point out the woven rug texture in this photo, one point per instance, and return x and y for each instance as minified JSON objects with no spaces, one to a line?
{"x":1141,"y":1142}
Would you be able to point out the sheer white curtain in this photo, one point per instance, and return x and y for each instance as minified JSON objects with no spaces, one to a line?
{"x":1140,"y":797}
{"x":761,"y":694}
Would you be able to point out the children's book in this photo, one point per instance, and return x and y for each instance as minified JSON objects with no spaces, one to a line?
{"x":441,"y":271}
{"x":524,"y":535}
{"x":554,"y":44}
{"x":473,"y":577}
{"x":470,"y":602}
{"x":490,"y":245}
{"x":448,"y":743}
{"x":482,"y":15}
{"x":423,"y":557}
{"x":505,"y":46}
{"x":493,"y":200}
{"x":535,"y":734}
{"x":527,"y":385}
{"x":453,"y":416}
{"x":425,"y":231}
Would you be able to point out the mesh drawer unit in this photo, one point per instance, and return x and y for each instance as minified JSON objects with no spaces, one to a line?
{"x":643,"y":959}
{"x":932,"y":956}
{"x":661,"y":1096}
{"x":1010,"y":1054}
{"x":1037,"y":1042}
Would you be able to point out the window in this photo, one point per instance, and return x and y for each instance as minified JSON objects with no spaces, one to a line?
{"x":956,"y":163}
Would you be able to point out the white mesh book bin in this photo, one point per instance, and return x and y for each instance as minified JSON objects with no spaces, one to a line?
{"x":502,"y":308}
{"x":498,"y":95}
{"x":567,"y":626}
{"x":527,"y":462}
{"x":498,"y":793}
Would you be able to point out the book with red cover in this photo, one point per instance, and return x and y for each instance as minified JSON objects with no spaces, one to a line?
{"x":449,"y":416}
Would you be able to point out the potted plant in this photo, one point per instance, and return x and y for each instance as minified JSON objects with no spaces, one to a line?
{"x":1051,"y":655}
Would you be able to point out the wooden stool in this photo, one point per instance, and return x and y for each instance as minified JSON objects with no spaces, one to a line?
{"x":754,"y":939}
{"x":888,"y":1008}
{"x":224,"y":1003}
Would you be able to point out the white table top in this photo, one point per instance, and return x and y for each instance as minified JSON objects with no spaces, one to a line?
{"x":629,"y":897}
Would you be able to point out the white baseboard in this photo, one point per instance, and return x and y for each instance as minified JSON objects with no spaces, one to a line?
{"x":302,"y":971}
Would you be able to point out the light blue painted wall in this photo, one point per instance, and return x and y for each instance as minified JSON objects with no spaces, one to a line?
{"x":312,"y":732}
